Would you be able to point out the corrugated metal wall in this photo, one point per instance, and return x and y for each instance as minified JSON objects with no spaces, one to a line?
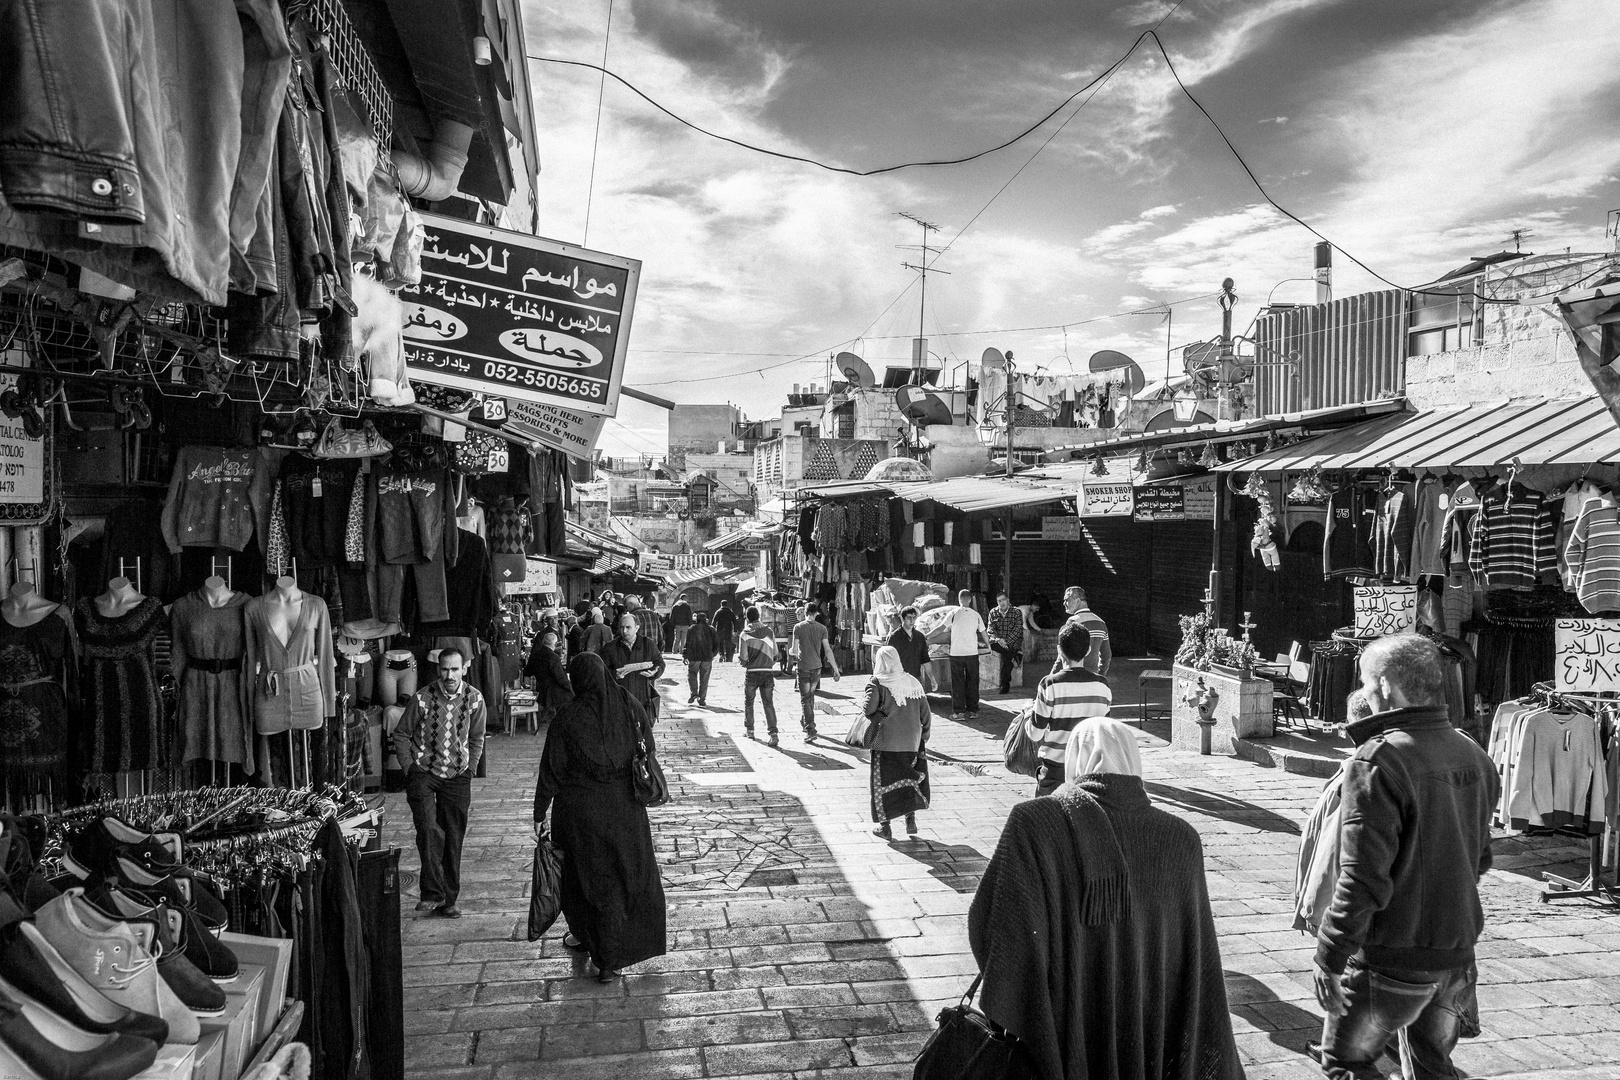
{"x":1351,"y":350}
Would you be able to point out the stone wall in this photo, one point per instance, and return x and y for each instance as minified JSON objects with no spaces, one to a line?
{"x":1540,"y":365}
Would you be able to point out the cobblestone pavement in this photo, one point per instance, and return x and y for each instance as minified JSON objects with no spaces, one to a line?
{"x":803,"y":946}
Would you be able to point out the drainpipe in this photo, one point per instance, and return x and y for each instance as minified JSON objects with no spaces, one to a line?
{"x":435,"y":176}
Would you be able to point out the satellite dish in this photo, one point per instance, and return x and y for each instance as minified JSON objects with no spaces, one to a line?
{"x":992,"y":358}
{"x":855,"y":370}
{"x":1114,"y":360}
{"x":922,"y":407}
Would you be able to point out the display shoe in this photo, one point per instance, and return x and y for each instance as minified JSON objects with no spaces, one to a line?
{"x":178,"y":890}
{"x":176,"y":961}
{"x":95,"y":848}
{"x":33,"y":966}
{"x":56,"y":1050}
{"x":118,"y":959}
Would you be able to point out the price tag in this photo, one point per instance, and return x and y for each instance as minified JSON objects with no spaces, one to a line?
{"x":315,"y":487}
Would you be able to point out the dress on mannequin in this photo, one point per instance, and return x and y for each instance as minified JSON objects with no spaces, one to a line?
{"x":124,"y":716}
{"x":209,"y":643}
{"x":294,"y":677}
{"x":39,"y":673}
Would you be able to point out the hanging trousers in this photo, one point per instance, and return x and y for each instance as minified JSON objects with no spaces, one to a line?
{"x":439,"y":807}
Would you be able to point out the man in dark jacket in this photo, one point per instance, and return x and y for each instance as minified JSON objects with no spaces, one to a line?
{"x":725,"y":629}
{"x":701,"y":645}
{"x":1396,"y":947}
{"x":680,"y":621}
{"x":911,"y":645}
{"x":635,"y":662}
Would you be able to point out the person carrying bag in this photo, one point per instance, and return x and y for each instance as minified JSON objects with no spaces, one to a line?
{"x":896,"y":721}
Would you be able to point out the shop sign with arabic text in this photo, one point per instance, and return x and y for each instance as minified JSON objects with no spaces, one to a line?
{"x":516,"y":316}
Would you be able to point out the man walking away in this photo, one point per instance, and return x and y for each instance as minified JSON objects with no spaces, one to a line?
{"x":815,"y":655}
{"x":725,"y":629}
{"x":596,"y":635}
{"x":1062,"y":703}
{"x":1101,"y":657}
{"x":635,"y":662}
{"x":757,"y":654}
{"x":1396,"y":947}
{"x":1007,"y":637}
{"x":967,"y":638}
{"x":699,"y":656}
{"x":680,"y":620}
{"x":910,"y":644}
{"x":441,"y":740}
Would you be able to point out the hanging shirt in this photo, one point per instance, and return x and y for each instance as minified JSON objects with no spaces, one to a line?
{"x":1593,"y":554}
{"x":1345,"y":548}
{"x":1513,"y":539}
{"x":1428,"y":529}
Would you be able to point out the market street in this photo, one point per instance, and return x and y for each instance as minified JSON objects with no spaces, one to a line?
{"x":801,"y":945}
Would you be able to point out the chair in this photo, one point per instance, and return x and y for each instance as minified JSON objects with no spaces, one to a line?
{"x":1150,"y":677}
{"x":1289,"y":694}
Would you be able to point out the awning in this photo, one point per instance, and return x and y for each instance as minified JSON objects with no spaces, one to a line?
{"x":678,"y":578}
{"x":1569,"y":431}
{"x":1232,"y":430}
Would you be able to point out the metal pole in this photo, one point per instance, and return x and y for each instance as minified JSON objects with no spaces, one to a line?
{"x":1007,"y":519}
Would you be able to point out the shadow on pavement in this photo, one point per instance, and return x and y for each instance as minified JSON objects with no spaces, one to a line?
{"x":808,"y":760}
{"x":1224,"y":807}
{"x":957,"y":865}
{"x":1284,"y":1023}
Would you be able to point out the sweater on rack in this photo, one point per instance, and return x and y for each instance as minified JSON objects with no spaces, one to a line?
{"x":1513,"y":541}
{"x":1592,"y":554}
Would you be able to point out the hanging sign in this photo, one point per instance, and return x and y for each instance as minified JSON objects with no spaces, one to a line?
{"x":520,"y":317}
{"x":1198,"y":498}
{"x":1061,"y":527}
{"x":574,"y":433}
{"x":539,"y":576}
{"x":1385,"y":609}
{"x":1106,"y":500}
{"x":1587,"y":656}
{"x":1162,"y":503}
{"x":22,"y":459}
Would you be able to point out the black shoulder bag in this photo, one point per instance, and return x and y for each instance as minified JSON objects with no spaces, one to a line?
{"x":968,"y":1045}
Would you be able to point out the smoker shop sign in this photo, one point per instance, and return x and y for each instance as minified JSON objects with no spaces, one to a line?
{"x":513,"y":315}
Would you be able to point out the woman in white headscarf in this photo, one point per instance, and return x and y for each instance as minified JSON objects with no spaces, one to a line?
{"x":896,"y":702}
{"x":1101,"y":745}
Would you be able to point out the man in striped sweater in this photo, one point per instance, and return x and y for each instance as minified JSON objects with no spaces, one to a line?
{"x":1065,"y":699}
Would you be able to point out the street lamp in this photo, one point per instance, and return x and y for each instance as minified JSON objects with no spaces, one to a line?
{"x":1186,"y":405}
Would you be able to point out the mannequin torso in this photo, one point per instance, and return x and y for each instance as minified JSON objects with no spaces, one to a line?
{"x":216,"y":592}
{"x":119,"y":599}
{"x":23,"y":606}
{"x":283,"y":605}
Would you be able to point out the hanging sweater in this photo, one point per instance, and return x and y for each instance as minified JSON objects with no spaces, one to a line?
{"x":1513,"y":539}
{"x":1557,"y":779}
{"x":1592,"y":554}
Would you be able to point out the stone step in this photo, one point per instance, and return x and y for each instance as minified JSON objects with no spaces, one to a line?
{"x":1315,"y":754}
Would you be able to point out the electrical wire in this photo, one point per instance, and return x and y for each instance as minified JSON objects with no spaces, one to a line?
{"x":596,"y":137}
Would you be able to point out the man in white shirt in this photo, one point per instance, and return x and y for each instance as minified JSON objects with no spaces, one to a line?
{"x":967,"y":640}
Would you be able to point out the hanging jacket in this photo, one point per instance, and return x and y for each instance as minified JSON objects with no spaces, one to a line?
{"x":1346,"y":551}
{"x":415,"y":515}
{"x":217,"y":498}
{"x":316,"y":498}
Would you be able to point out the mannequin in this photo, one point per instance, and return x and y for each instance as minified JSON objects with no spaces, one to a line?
{"x":207,"y":646}
{"x":119,"y":600}
{"x":283,"y":606}
{"x":23,"y":606}
{"x":216,"y":592}
{"x":290,"y":659}
{"x":121,"y":704}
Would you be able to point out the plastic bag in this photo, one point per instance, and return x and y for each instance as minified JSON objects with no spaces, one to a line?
{"x":545,"y":892}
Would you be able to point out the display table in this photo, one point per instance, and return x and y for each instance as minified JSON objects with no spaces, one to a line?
{"x":1242,"y":709}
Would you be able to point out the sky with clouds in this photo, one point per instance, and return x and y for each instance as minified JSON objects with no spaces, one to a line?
{"x":1415,"y":136}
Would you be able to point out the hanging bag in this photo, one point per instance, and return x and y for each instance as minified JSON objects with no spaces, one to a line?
{"x":968,"y":1045}
{"x":863,"y":729}
{"x":545,"y":896}
{"x":337,"y":441}
{"x":1019,"y":752}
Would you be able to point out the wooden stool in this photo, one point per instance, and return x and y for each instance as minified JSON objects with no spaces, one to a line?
{"x":1152,"y":675}
{"x":517,"y":711}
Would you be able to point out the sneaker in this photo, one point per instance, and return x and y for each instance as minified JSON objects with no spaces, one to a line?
{"x":426,"y":905}
{"x":691,"y":699}
{"x":956,"y":716}
{"x":35,"y":968}
{"x":449,"y":911}
{"x":49,"y":1046}
{"x":748,"y":732}
{"x":178,"y":890}
{"x":94,"y":849}
{"x":183,"y":960}
{"x":884,"y":831}
{"x":772,"y":742}
{"x":118,"y":959}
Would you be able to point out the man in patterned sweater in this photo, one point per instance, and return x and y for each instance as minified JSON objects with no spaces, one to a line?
{"x":441,"y":739}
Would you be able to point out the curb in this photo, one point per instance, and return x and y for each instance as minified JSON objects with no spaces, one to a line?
{"x":1257,"y":751}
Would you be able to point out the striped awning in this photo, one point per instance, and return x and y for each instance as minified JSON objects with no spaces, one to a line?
{"x":1569,"y":431}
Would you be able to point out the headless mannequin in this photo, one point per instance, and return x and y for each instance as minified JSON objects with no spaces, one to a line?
{"x":23,"y":606}
{"x":216,"y":592}
{"x":284,"y":604}
{"x":119,"y":600}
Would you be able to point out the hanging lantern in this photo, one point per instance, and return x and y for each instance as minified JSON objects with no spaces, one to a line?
{"x":1211,"y":457}
{"x":1184,"y":457}
{"x":1142,"y":463}
{"x":1098,"y":468}
{"x":1271,"y":441}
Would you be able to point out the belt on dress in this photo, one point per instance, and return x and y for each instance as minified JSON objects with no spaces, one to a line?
{"x":401,"y":665}
{"x":13,"y":686}
{"x":232,"y":663}
{"x":272,"y":679}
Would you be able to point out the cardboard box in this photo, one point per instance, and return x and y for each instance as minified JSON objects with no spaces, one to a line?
{"x":210,"y":1056}
{"x":275,"y":956}
{"x":240,"y":1021}
{"x":174,"y":1062}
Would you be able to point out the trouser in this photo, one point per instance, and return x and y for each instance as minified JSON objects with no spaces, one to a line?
{"x":439,"y":810}
{"x":964,"y":684}
{"x":1378,"y":1004}
{"x":396,"y":676}
{"x":728,"y":645}
{"x":1009,"y":657}
{"x":678,"y":644}
{"x":763,"y":684}
{"x":697,"y":677}
{"x":432,"y":597}
{"x":809,"y":683}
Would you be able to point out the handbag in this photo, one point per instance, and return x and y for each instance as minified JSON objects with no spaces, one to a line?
{"x":647,"y":783}
{"x":863,"y":729}
{"x":337,"y":441}
{"x":968,"y":1045}
{"x":1019,"y":752}
{"x":545,"y":895}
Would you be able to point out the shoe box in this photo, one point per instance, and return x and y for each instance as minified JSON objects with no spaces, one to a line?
{"x":275,"y":956}
{"x":239,"y":1024}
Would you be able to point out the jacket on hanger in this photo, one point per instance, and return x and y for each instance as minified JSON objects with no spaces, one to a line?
{"x":217,"y":497}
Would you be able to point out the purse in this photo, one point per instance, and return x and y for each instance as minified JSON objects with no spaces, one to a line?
{"x":1019,"y":752}
{"x":968,"y":1045}
{"x":337,"y":441}
{"x":647,"y":783}
{"x":863,"y":729}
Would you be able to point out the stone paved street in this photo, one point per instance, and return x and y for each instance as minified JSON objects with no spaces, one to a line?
{"x":803,"y":946}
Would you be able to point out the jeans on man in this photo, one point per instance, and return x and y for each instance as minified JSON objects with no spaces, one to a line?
{"x":439,"y":807}
{"x":809,"y":683}
{"x":697,"y":677}
{"x":762,"y":683}
{"x":1378,"y":1004}
{"x":678,"y":644}
{"x":965,"y":684}
{"x":1009,"y":658}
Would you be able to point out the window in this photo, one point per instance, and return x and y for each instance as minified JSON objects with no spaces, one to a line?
{"x":1443,"y":321}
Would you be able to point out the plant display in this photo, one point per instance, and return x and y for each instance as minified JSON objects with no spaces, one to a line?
{"x":1203,"y":645}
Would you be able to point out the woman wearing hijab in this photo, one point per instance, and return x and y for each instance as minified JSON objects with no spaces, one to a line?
{"x":612,"y":895}
{"x":1093,"y":931}
{"x":899,"y":763}
{"x":545,"y":666}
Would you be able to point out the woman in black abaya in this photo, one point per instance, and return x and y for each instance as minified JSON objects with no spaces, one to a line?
{"x":612,"y":895}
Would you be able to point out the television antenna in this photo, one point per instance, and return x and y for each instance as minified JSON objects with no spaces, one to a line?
{"x":919,"y":346}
